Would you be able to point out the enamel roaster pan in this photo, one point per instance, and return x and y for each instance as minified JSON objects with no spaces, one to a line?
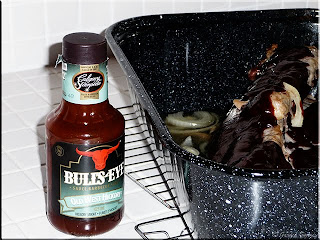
{"x":199,"y":61}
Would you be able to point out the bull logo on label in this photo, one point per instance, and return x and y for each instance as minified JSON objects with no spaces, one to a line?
{"x":99,"y":157}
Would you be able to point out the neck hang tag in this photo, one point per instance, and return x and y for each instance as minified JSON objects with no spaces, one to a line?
{"x":59,"y":60}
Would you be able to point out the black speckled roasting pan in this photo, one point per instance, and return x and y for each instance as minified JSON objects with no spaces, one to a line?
{"x":199,"y":61}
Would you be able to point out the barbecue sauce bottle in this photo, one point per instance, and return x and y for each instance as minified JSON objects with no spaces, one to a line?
{"x":85,"y":143}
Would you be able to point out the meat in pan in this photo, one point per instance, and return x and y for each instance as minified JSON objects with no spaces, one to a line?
{"x":275,"y":124}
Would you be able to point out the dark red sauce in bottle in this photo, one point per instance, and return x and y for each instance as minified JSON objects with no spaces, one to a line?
{"x":85,"y":144}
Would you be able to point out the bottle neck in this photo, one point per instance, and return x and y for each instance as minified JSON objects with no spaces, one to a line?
{"x":83,"y":114}
{"x":84,"y":84}
{"x":85,"y":107}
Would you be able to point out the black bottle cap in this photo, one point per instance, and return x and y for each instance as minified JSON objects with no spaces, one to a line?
{"x":84,"y":48}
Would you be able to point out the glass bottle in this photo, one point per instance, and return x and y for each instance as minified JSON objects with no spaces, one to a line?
{"x":85,"y":143}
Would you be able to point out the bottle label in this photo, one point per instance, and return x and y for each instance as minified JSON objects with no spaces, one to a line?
{"x":88,"y":179}
{"x":84,"y":84}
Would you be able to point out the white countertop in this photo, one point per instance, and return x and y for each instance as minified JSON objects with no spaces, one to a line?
{"x":26,"y":99}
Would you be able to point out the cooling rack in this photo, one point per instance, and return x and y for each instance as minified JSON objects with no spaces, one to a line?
{"x":145,"y":166}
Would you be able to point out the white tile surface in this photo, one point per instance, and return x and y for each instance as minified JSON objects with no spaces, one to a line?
{"x":7,"y":60}
{"x":141,"y":205}
{"x":296,"y":4}
{"x":244,"y":5}
{"x":158,"y":7}
{"x":41,"y":131}
{"x":172,"y":226}
{"x":131,"y":186}
{"x":103,"y":13}
{"x":125,"y":219}
{"x":8,"y":165}
{"x":54,"y":48}
{"x":114,"y":69}
{"x":37,"y":176}
{"x":112,"y":63}
{"x":52,"y":96}
{"x":6,"y":16}
{"x":120,"y":100}
{"x":38,"y":72}
{"x":11,"y":122}
{"x":134,"y":141}
{"x":44,"y":83}
{"x":135,"y":153}
{"x":122,"y":231}
{"x":62,"y":16}
{"x":215,"y":6}
{"x":120,"y":83}
{"x":269,"y":4}
{"x":15,"y":184}
{"x":57,"y":69}
{"x":112,"y":90}
{"x":5,"y":2}
{"x":12,"y":231}
{"x":45,"y":23}
{"x":26,"y":101}
{"x":8,"y":77}
{"x":28,"y":53}
{"x":166,"y":214}
{"x":313,"y":4}
{"x":123,"y":9}
{"x":5,"y":220}
{"x":27,"y":158}
{"x":182,"y":6}
{"x":12,"y":88}
{"x":32,"y":14}
{"x":33,"y":206}
{"x":5,"y":109}
{"x":35,"y":117}
{"x":41,"y":228}
{"x":20,"y":139}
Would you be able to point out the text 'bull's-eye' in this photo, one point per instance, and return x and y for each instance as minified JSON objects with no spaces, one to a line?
{"x":93,"y":178}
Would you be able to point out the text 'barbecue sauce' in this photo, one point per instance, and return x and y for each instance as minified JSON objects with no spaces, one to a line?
{"x":85,"y":143}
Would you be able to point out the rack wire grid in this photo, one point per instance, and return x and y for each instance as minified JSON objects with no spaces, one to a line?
{"x":145,"y":166}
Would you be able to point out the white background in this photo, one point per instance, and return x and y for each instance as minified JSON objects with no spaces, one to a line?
{"x":33,"y":29}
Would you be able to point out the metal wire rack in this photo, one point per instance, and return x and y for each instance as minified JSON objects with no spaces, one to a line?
{"x":148,"y":169}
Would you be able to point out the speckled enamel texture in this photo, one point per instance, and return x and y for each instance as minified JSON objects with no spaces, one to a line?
{"x":199,"y":61}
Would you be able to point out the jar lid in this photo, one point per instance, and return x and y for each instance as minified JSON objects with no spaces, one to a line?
{"x":84,"y":48}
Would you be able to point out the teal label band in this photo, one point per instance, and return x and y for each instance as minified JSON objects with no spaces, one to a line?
{"x":93,"y":205}
{"x":88,"y":180}
{"x":84,"y":84}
